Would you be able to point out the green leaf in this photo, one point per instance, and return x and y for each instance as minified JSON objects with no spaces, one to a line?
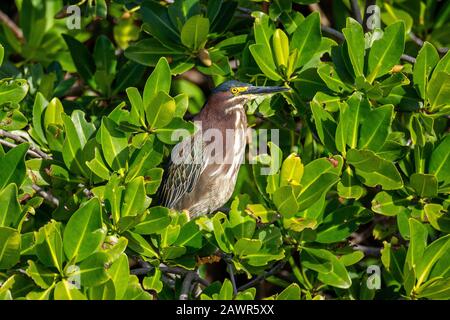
{"x":135,"y":291}
{"x":435,"y":289}
{"x":389,"y":204}
{"x":341,"y":223}
{"x":440,"y":161}
{"x":148,"y":51}
{"x":292,"y":292}
{"x":443,"y":65}
{"x":226,"y":292}
{"x":134,"y":198}
{"x":9,"y":247}
{"x":158,"y":81}
{"x":263,"y":30}
{"x":331,"y":270}
{"x":418,"y":241}
{"x":438,"y":91}
{"x":190,"y":236}
{"x":160,"y":111}
{"x":104,"y":55}
{"x":105,"y":291}
{"x":373,"y":170}
{"x":386,"y":52}
{"x":82,"y":59}
{"x":357,"y":111}
{"x":84,"y":234}
{"x":219,"y":231}
{"x":325,"y":125}
{"x":195,"y":32}
{"x":431,"y":255}
{"x":437,"y":216}
{"x":285,"y":201}
{"x":10,"y":209}
{"x":158,"y":24}
{"x":147,"y":157}
{"x":43,"y":277}
{"x":13,"y":91}
{"x":72,"y":147}
{"x":375,"y":128}
{"x":242,"y":225}
{"x":114,"y":144}
{"x":426,"y":60}
{"x":13,"y":166}
{"x":425,"y":185}
{"x":137,"y":112}
{"x":64,"y":290}
{"x":138,"y":244}
{"x":291,"y":170}
{"x":92,"y":270}
{"x":306,"y":38}
{"x":280,"y":45}
{"x":119,"y":274}
{"x":40,"y":295}
{"x":154,"y":282}
{"x":153,"y":179}
{"x":49,"y":245}
{"x":354,"y":36}
{"x":97,"y":165}
{"x":245,"y":246}
{"x":267,"y":66}
{"x":310,"y":194}
{"x":351,"y":258}
{"x":349,"y":187}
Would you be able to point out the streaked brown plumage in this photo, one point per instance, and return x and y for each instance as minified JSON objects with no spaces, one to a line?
{"x":201,"y":180}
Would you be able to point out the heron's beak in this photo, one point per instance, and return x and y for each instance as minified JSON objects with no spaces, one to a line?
{"x":254,"y":90}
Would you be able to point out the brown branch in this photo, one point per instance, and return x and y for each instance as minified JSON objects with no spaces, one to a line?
{"x":230,"y":268}
{"x":186,"y":286}
{"x":11,"y":26}
{"x":420,"y":43}
{"x":263,"y":276}
{"x":19,"y":139}
{"x":356,"y":10}
{"x":333,"y":32}
{"x":51,"y":199}
{"x":13,"y":145}
{"x":408,"y":58}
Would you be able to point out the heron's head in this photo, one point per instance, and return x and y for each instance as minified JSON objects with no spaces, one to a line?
{"x":235,"y":92}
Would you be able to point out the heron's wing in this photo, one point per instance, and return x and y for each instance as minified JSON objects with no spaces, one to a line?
{"x":186,"y":164}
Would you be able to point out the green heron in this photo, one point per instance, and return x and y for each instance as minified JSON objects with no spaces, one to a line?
{"x":203,"y":168}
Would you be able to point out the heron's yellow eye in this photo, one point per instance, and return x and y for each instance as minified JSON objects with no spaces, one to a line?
{"x":234,"y":90}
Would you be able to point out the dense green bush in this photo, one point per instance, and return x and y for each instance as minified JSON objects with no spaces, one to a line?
{"x":358,"y":208}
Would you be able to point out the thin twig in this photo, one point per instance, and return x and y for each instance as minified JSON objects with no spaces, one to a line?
{"x":147,"y":267}
{"x":356,"y":11}
{"x":416,"y":39}
{"x":408,"y":58}
{"x":11,"y":26}
{"x":19,"y":139}
{"x":420,"y":43}
{"x":333,"y":32}
{"x":232,"y":278}
{"x":186,"y":286}
{"x":373,"y":251}
{"x":262,"y":276}
{"x":46,"y":195}
{"x":13,"y":145}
